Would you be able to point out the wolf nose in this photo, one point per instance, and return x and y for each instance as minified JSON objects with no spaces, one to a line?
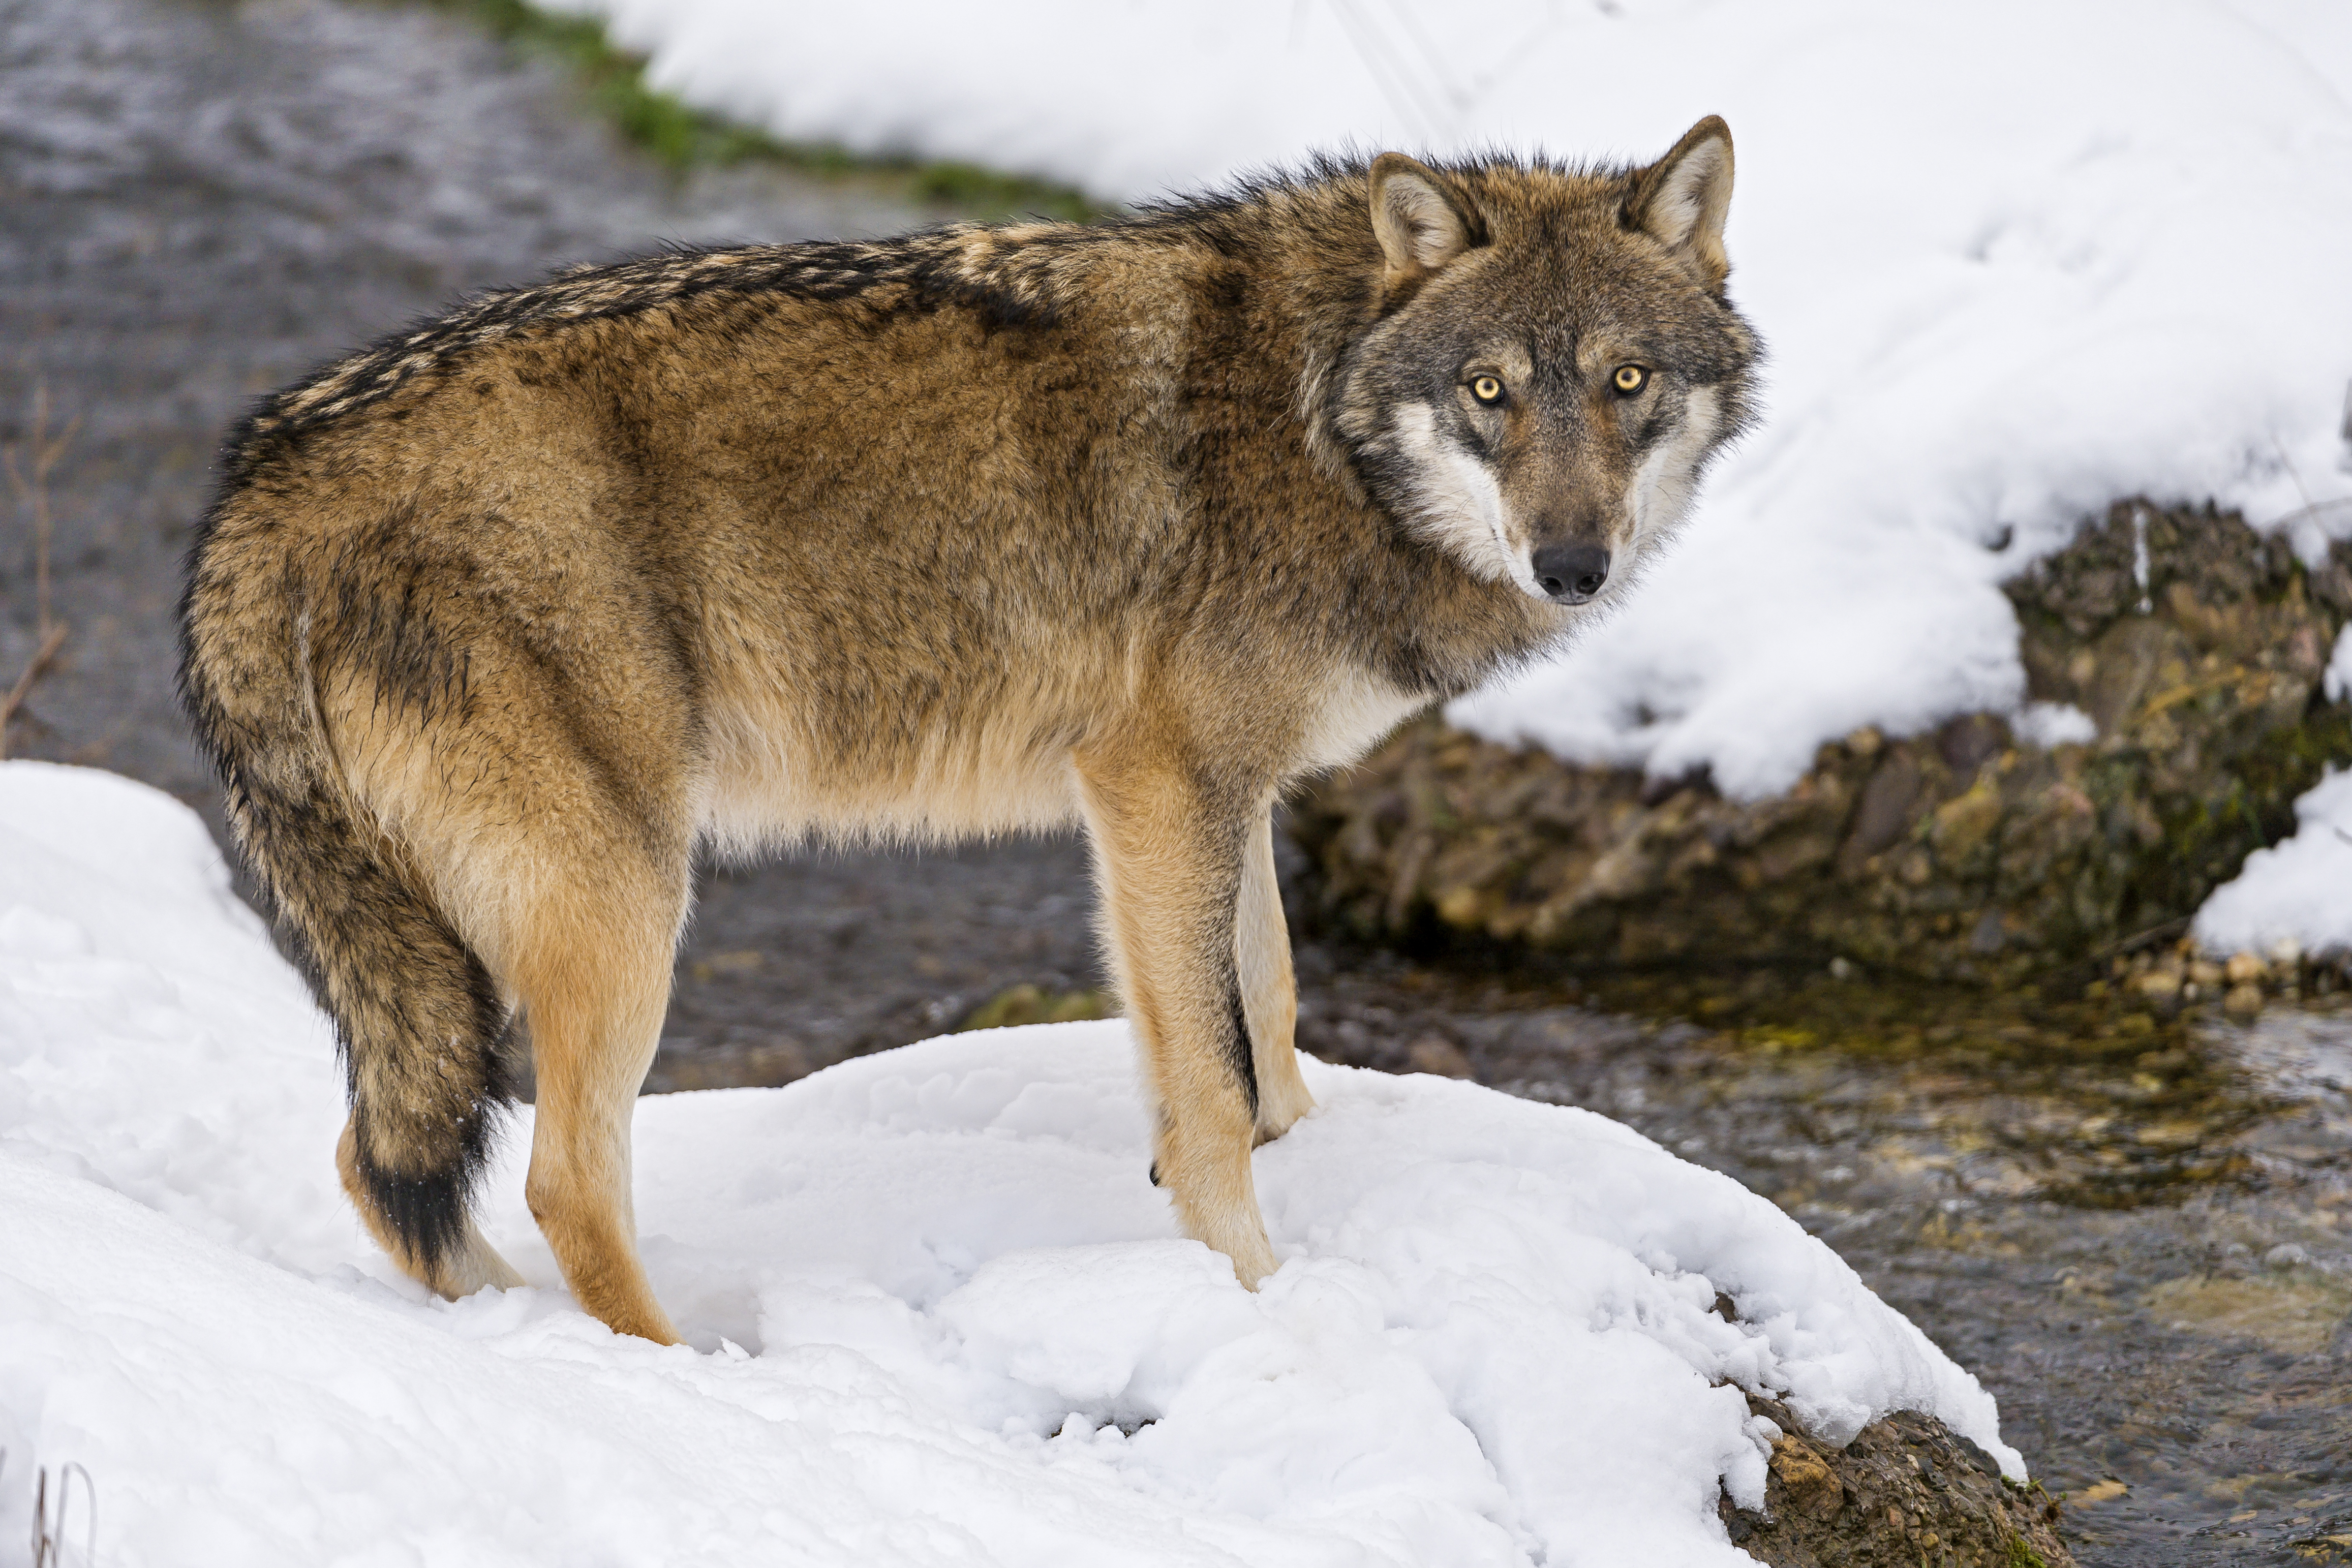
{"x":1571,"y":574}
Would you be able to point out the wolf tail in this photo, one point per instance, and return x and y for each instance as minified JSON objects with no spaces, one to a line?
{"x":420,"y":1024}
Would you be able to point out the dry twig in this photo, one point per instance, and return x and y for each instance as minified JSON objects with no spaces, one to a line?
{"x":2311,"y":510}
{"x":33,"y":494}
{"x":49,"y":1530}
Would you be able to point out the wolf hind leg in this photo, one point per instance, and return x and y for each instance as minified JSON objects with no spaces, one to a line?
{"x":593,"y":970}
{"x":1169,"y":854}
{"x":1269,"y":991}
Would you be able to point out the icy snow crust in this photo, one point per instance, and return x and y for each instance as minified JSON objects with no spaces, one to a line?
{"x":2014,"y":260}
{"x":940,"y":1314}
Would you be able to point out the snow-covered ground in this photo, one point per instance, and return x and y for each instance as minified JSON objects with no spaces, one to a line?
{"x":2015,"y":261}
{"x":938,"y":1313}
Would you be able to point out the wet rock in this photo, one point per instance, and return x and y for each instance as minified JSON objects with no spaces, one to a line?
{"x":1967,"y":852}
{"x":2245,"y":969}
{"x":1907,"y":1490}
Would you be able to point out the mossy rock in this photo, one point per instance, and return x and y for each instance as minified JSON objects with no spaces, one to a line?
{"x":1907,"y":1490}
{"x":2195,"y":646}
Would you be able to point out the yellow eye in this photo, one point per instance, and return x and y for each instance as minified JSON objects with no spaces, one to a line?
{"x":1487,"y":389}
{"x":1629,"y":379}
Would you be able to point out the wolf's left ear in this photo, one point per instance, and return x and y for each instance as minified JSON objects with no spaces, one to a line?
{"x":1419,"y":226}
{"x":1681,"y":200}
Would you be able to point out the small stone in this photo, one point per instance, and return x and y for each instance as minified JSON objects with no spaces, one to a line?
{"x":1962,"y":825}
{"x":2285,"y":953}
{"x":2206,"y":974}
{"x":2245,"y":969}
{"x":2244,"y":1001}
{"x":1841,"y":967}
{"x":2158,"y":984}
{"x":2286,"y":1255}
{"x":1986,"y":939}
{"x":1978,"y":1454}
{"x":1461,"y":907}
{"x":1813,"y":1485}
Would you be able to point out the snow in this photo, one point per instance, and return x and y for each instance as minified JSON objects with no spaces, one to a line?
{"x":2297,"y":896}
{"x":2055,"y":724}
{"x":2014,"y":260}
{"x":936,"y":1310}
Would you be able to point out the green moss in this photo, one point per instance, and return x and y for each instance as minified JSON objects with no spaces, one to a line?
{"x":2022,"y":1555}
{"x":2206,"y":840}
{"x":686,"y":138}
{"x":1025,"y":1003}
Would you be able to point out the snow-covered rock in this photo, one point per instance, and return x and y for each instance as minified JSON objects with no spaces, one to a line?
{"x":937,"y":1312}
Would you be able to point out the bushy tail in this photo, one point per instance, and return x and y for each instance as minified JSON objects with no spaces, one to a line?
{"x":420,"y":1024}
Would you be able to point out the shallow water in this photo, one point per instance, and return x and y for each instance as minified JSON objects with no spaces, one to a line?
{"x":2134,"y":1231}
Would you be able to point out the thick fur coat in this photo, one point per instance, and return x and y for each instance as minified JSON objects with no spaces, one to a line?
{"x":495,"y":623}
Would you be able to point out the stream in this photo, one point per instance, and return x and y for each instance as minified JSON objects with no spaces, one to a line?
{"x":2137,"y":1231}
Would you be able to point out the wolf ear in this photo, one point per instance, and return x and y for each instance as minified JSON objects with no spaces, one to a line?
{"x":1680,"y":199}
{"x":1419,"y":226}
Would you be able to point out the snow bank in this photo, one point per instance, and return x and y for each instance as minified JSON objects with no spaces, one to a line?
{"x":2297,"y":893}
{"x":940,"y":1314}
{"x":2014,"y":260}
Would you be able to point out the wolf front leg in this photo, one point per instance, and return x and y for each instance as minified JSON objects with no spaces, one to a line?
{"x":1171,"y":852}
{"x":1269,"y":991}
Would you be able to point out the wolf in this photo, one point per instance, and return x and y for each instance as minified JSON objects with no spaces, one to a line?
{"x":494,"y":626}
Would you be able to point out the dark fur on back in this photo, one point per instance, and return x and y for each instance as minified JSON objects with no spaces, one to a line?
{"x":820,"y":270}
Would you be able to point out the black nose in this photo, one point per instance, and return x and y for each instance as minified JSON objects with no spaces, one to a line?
{"x":1571,"y":573}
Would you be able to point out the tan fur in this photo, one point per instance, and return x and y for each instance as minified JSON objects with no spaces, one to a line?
{"x":976,"y":531}
{"x":1269,"y":994}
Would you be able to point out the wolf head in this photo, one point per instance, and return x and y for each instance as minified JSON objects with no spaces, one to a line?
{"x":1552,"y":360}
